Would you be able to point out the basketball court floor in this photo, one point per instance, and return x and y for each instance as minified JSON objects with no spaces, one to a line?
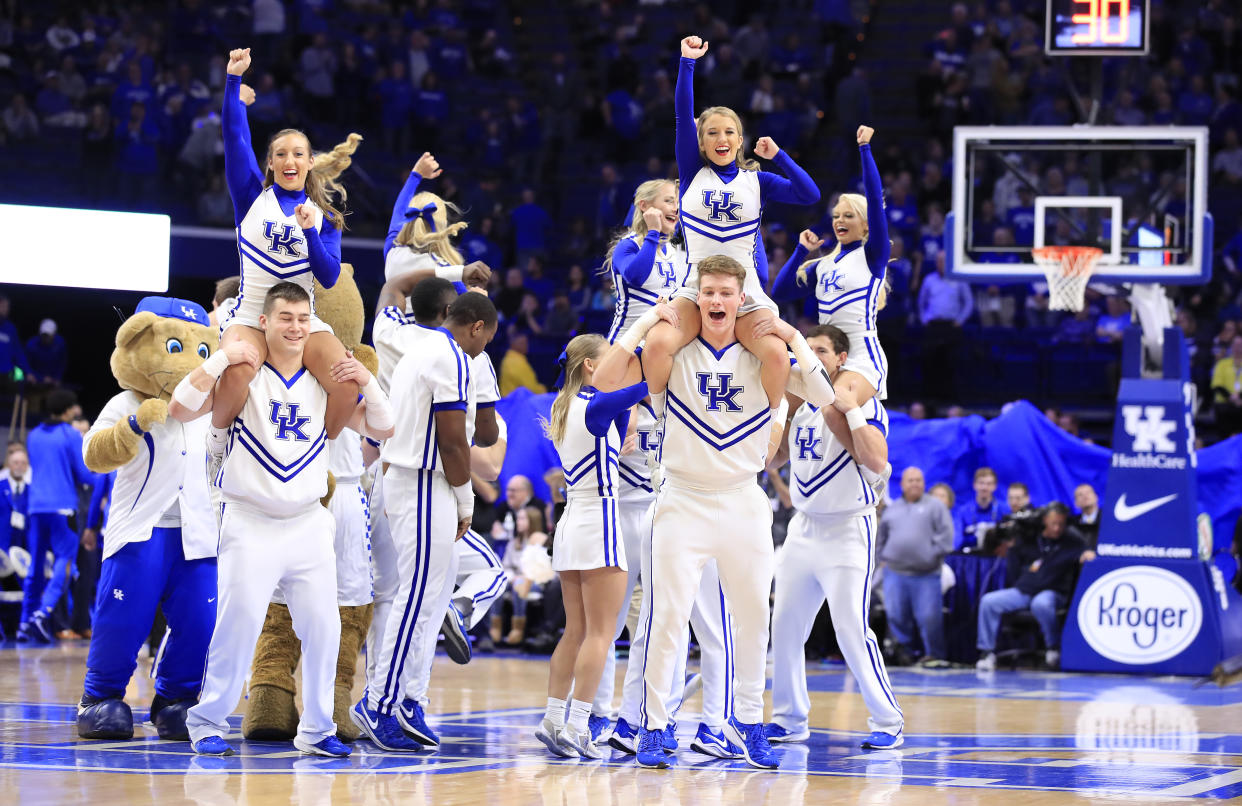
{"x":971,"y":738}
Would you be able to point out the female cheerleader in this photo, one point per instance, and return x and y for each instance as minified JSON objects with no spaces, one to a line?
{"x":848,"y":283}
{"x":287,"y":229}
{"x":419,"y":233}
{"x":645,"y":265}
{"x":586,"y":427}
{"x":722,"y":195}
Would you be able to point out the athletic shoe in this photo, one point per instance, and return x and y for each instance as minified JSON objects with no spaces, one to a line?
{"x":776,"y":733}
{"x":330,"y":746}
{"x":40,"y":623}
{"x":108,"y":718}
{"x":755,"y":746}
{"x":580,"y":742}
{"x":714,"y":743}
{"x":550,"y":735}
{"x":601,"y":727}
{"x":414,"y":722}
{"x":879,"y":740}
{"x":928,"y":662}
{"x":670,"y":737}
{"x":382,"y":729}
{"x":987,"y":663}
{"x":651,"y":751}
{"x":1053,"y":658}
{"x":456,"y":641}
{"x":212,"y":746}
{"x":624,"y":737}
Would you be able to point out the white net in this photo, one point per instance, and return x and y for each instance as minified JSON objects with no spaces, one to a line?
{"x":1068,"y":270}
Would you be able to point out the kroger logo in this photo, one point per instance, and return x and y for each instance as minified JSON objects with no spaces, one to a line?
{"x":1140,"y":614}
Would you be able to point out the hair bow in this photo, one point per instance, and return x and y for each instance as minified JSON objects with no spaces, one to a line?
{"x":426,"y":213}
{"x":561,"y":360}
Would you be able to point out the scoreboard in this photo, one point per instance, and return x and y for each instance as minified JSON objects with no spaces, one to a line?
{"x":1097,"y":27}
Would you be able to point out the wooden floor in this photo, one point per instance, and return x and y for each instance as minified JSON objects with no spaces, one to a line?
{"x":1004,"y":738}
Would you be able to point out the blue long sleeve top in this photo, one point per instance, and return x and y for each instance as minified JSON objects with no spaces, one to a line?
{"x":606,"y":409}
{"x":96,"y":513}
{"x":245,"y":182}
{"x":877,"y":247}
{"x":634,"y":261}
{"x":55,"y":451}
{"x":398,"y":220}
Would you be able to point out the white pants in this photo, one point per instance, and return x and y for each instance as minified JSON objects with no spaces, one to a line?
{"x":352,"y":545}
{"x":481,"y":579}
{"x":690,"y":527}
{"x":422,"y":514}
{"x":385,"y":579}
{"x":833,"y":558}
{"x":259,"y":554}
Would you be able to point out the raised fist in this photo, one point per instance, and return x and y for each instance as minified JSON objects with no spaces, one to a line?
{"x":766,"y":148}
{"x":864,"y":135}
{"x":476,"y":275}
{"x":653,"y":218}
{"x":809,"y":240}
{"x":305,"y":216}
{"x":427,"y":167}
{"x":151,"y":413}
{"x":239,"y":61}
{"x":692,"y":47}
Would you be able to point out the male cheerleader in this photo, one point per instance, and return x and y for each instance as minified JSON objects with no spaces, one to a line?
{"x":429,"y":502}
{"x":829,"y":551}
{"x":273,"y":531}
{"x":710,"y":506}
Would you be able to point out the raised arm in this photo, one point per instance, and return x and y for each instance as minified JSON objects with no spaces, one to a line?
{"x":787,"y":286}
{"x":425,"y":168}
{"x":241,"y":170}
{"x":397,"y":289}
{"x":877,"y":247}
{"x":607,"y":408}
{"x":799,"y":188}
{"x":686,"y":145}
{"x":807,"y":377}
{"x":619,"y":366}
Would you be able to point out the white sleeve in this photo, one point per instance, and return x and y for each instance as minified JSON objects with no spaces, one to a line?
{"x":447,"y":375}
{"x":486,"y":387}
{"x":811,"y":390}
{"x":402,"y":259}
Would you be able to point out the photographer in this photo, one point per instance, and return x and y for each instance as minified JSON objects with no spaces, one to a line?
{"x":1022,"y":523}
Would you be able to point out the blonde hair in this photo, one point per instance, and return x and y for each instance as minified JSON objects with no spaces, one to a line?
{"x":579,"y":349}
{"x":858,"y":204}
{"x":321,"y":185}
{"x":742,"y":162}
{"x":648,"y":192}
{"x":722,"y":265}
{"x":420,"y":237}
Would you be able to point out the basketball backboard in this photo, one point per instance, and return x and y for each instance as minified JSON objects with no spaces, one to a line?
{"x":1137,"y":192}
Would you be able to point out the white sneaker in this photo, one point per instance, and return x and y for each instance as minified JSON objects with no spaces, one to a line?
{"x":987,"y":663}
{"x":1053,"y":658}
{"x":581,"y":742}
{"x":550,"y":735}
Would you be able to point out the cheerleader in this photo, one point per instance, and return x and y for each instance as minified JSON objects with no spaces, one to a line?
{"x":848,"y":283}
{"x":586,"y":427}
{"x":419,"y":233}
{"x":287,"y":230}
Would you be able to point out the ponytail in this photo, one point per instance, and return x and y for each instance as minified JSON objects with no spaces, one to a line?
{"x":579,"y":349}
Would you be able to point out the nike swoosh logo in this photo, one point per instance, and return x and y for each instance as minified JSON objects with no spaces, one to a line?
{"x":1128,"y":512}
{"x":212,"y":599}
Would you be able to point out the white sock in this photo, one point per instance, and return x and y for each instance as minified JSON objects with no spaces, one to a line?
{"x":657,"y":403}
{"x":216,"y":437}
{"x":555,"y":712}
{"x":579,"y":712}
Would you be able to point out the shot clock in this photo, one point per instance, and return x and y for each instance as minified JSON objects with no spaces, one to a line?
{"x":1097,"y":27}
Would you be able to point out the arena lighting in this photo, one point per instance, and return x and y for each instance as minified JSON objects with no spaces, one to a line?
{"x":105,"y":249}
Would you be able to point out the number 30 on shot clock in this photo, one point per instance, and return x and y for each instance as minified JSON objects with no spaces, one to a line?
{"x":1097,"y":27}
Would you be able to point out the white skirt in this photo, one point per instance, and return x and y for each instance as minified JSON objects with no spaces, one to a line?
{"x":868,"y":360}
{"x":588,"y":536}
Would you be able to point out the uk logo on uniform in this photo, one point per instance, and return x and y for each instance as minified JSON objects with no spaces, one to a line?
{"x":187,"y":311}
{"x":723,"y":209}
{"x":724,"y":393}
{"x":808,"y":443}
{"x":288,"y":425}
{"x":648,"y":440}
{"x":1151,"y":431}
{"x":284,"y":241}
{"x":668,"y":272}
{"x":832,"y":282}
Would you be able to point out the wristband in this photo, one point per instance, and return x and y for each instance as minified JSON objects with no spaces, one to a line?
{"x":502,"y":429}
{"x":188,"y":395}
{"x":781,"y":412}
{"x":216,"y":364}
{"x":133,"y":424}
{"x":451,"y":273}
{"x":856,"y":419}
{"x":464,"y":494}
{"x":637,"y":330}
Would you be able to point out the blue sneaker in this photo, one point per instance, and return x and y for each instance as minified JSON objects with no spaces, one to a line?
{"x":41,"y":624}
{"x":651,"y":751}
{"x":755,"y":747}
{"x":382,"y":729}
{"x":776,"y":733}
{"x":456,"y":639}
{"x":212,"y":746}
{"x":414,"y":722}
{"x":600,"y":727}
{"x":879,"y":740}
{"x":714,"y":743}
{"x":330,"y":746}
{"x":624,"y":737}
{"x":670,"y":737}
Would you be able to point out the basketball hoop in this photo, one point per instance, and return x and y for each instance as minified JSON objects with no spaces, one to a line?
{"x":1068,"y":269}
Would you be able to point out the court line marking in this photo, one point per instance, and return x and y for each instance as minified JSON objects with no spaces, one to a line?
{"x":1204,"y":785}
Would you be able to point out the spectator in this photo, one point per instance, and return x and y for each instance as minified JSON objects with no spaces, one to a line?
{"x":561,"y":320}
{"x":1227,"y":164}
{"x":612,"y":203}
{"x":1087,"y":521}
{"x":578,"y":290}
{"x":918,"y":411}
{"x":510,"y":297}
{"x":55,"y":450}
{"x":20,"y":122}
{"x":14,"y":499}
{"x":515,"y":369}
{"x":477,"y":244}
{"x":1022,"y":522}
{"x":995,"y":309}
{"x":528,"y":533}
{"x":138,"y":159}
{"x":1110,"y":327}
{"x":975,"y":518}
{"x":1227,"y":389}
{"x":944,"y":303}
{"x":532,"y":227}
{"x":396,"y":97}
{"x":12,"y":357}
{"x":1077,"y":329}
{"x":317,"y":72}
{"x":1044,"y":571}
{"x":215,"y":206}
{"x":527,"y":318}
{"x":47,"y":355}
{"x":605,"y":297}
{"x":944,"y":493}
{"x":914,"y":535}
{"x":519,"y":493}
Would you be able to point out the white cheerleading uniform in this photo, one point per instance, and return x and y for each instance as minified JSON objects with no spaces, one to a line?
{"x":722,"y":218}
{"x":274,"y":535}
{"x":403,"y":259}
{"x":588,"y":535}
{"x":847,"y":295}
{"x":349,"y":506}
{"x":272,"y":250}
{"x":828,"y":553}
{"x":669,"y":272}
{"x":422,"y":514}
